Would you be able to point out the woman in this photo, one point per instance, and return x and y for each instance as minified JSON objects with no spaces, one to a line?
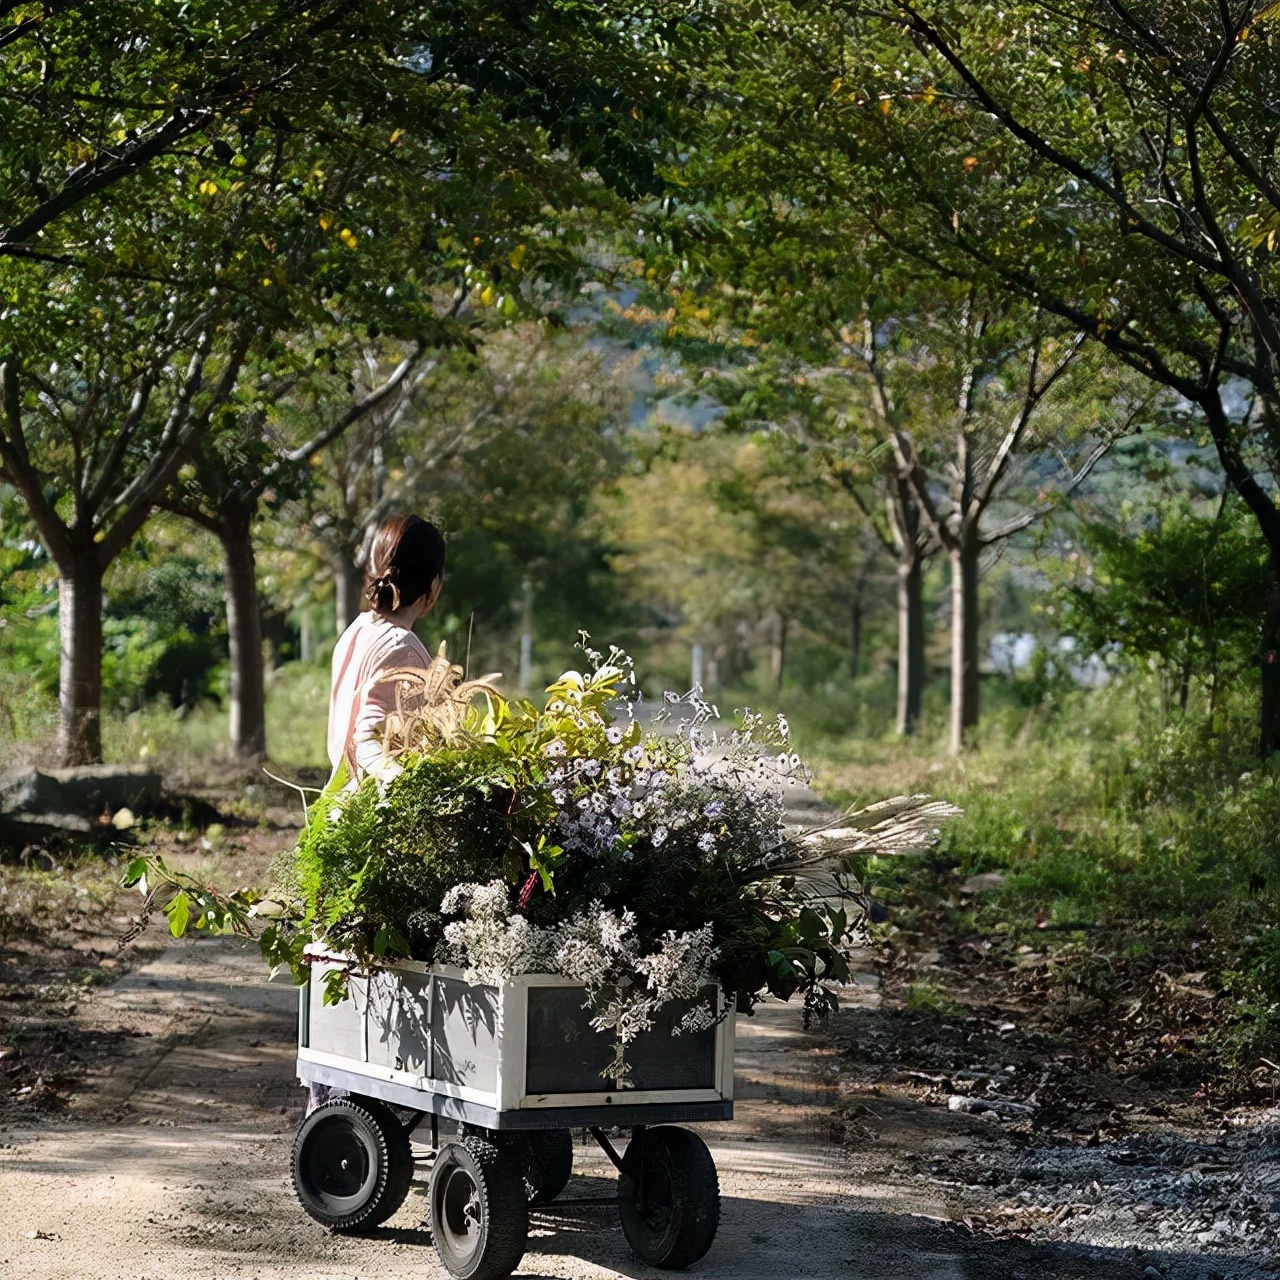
{"x":406,"y":569}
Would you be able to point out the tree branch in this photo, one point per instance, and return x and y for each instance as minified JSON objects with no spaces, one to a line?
{"x":26,"y":479}
{"x":361,"y":408}
{"x":912,"y":472}
{"x":135,"y":503}
{"x":111,"y":464}
{"x":1042,"y":147}
{"x":1013,"y":437}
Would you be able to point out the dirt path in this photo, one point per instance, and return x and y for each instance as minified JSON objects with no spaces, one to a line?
{"x":174,"y":1165}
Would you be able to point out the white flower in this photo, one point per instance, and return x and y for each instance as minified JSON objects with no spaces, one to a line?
{"x":707,"y":842}
{"x":615,"y":733}
{"x":784,"y":729}
{"x":632,"y":754}
{"x":714,"y":809}
{"x":591,"y":768}
{"x":659,"y":837}
{"x":554,"y":748}
{"x":559,"y":795}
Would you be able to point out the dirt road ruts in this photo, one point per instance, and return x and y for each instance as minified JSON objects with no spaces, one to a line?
{"x":174,"y":1165}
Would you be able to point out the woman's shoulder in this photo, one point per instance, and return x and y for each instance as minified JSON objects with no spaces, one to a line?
{"x":393,"y":645}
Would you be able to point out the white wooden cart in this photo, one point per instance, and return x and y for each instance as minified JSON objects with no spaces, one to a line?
{"x":511,"y":1069}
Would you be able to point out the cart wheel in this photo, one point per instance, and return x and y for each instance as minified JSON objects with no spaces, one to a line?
{"x":543,"y":1156}
{"x":479,"y":1214}
{"x":670,"y":1208}
{"x":547,"y":1160}
{"x":352,"y":1164}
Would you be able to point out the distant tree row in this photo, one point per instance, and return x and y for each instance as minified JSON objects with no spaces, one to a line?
{"x":941,"y":256}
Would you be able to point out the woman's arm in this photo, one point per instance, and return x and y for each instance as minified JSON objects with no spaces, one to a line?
{"x":377,"y":702}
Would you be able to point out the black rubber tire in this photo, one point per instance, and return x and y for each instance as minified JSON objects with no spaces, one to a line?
{"x":479,"y":1212}
{"x":543,"y":1156}
{"x":352,"y":1164}
{"x":681,"y":1211}
{"x":547,"y":1163}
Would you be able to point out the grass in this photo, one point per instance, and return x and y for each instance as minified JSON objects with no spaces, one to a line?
{"x":183,"y":743}
{"x":1129,"y":841}
{"x":1131,"y":844}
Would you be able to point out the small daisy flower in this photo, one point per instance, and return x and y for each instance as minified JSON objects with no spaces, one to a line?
{"x":554,"y":748}
{"x":614,"y":734}
{"x":707,"y":842}
{"x":632,"y":754}
{"x":659,"y":837}
{"x":714,"y":809}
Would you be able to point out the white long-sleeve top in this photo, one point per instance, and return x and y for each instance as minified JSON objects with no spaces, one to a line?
{"x":359,"y":701}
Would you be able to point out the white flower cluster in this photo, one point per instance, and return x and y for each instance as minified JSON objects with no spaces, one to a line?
{"x":596,"y":947}
{"x":488,"y":942}
{"x":678,"y":969}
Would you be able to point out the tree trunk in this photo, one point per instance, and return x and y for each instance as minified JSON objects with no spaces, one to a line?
{"x":80,"y":660}
{"x":855,"y":629}
{"x":778,"y":649}
{"x":347,"y":581}
{"x":964,"y":636}
{"x":248,"y":728}
{"x":1269,"y":728}
{"x":910,"y":642}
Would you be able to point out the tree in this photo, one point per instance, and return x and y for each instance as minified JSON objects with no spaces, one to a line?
{"x":503,"y":446}
{"x":111,"y":419}
{"x":222,"y":486}
{"x":1112,"y":162}
{"x":109,"y":100}
{"x":236,"y":174}
{"x":987,"y":398}
{"x":736,"y":544}
{"x":1174,"y":587}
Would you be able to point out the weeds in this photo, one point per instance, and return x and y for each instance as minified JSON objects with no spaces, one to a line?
{"x":1131,"y":848}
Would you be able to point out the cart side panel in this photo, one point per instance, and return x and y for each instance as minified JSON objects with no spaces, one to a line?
{"x":337,"y":1028}
{"x":564,"y":1052}
{"x":465,"y":1025}
{"x":662,"y":1059}
{"x":399,"y":1021}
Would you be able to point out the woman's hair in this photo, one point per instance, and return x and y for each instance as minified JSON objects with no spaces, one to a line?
{"x":406,"y":558}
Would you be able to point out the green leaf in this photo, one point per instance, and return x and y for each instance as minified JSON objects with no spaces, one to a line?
{"x":179,"y":913}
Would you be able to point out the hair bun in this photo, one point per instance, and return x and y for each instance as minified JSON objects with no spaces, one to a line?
{"x":405,"y":562}
{"x":383,"y":594}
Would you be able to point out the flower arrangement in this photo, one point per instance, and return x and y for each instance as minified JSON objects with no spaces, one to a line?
{"x":646,"y":860}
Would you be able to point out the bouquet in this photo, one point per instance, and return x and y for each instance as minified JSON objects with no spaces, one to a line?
{"x":645,"y":856}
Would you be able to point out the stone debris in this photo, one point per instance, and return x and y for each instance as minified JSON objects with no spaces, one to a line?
{"x":999,"y":1107}
{"x":36,"y":804}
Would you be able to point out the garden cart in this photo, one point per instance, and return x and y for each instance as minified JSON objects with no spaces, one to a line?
{"x":501,"y":1074}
